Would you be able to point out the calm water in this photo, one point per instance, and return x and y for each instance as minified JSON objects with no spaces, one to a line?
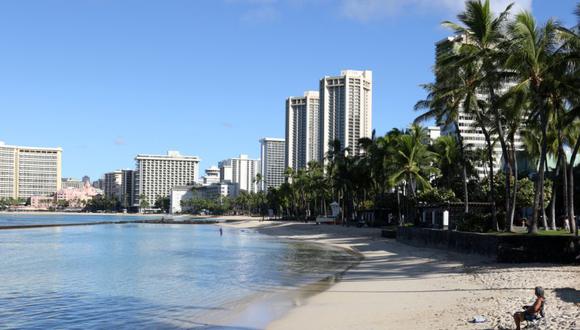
{"x":146,"y":276}
{"x":13,"y":219}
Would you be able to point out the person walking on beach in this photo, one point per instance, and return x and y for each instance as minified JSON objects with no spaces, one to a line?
{"x":530,"y":313}
{"x":221,"y":231}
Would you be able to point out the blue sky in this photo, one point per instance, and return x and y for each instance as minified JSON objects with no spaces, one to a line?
{"x":108,"y":79}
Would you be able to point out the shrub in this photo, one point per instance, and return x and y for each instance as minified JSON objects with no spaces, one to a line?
{"x":473,"y":223}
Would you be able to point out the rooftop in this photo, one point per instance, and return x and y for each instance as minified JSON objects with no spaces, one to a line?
{"x":171,"y":154}
{"x":3,"y":144}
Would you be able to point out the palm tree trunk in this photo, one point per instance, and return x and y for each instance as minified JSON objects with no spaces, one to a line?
{"x":491,"y":195}
{"x":515,"y":190}
{"x":508,"y":183}
{"x":566,"y":192}
{"x":571,"y":188}
{"x":539,"y":192}
{"x":543,"y":201}
{"x":464,"y":165}
{"x":508,"y":170}
{"x":504,"y":149}
{"x":399,"y":219}
{"x":554,"y":195}
{"x":564,"y":179}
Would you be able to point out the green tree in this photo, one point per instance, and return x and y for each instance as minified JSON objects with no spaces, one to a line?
{"x":535,"y":58}
{"x":163,"y":203}
{"x":412,"y":163}
{"x":143,"y":202}
{"x":103,"y":204}
{"x":482,"y":54}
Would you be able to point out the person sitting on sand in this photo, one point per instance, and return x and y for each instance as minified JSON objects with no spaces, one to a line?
{"x":530,"y":313}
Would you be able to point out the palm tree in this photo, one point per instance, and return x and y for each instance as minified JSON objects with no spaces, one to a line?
{"x":573,"y":47}
{"x":449,"y":161}
{"x":413,"y":162}
{"x":444,"y":103}
{"x":337,"y":171}
{"x":483,"y":49}
{"x":318,"y":187}
{"x":533,"y":57}
{"x":143,"y":202}
{"x":571,"y":186}
{"x":259,"y":179}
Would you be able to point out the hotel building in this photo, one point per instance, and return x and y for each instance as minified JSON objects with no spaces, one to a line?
{"x":181,"y":194}
{"x":71,"y":183}
{"x":272,"y":153}
{"x":112,"y":184}
{"x":346,"y":109}
{"x":303,"y":130}
{"x":127,"y":197}
{"x":156,"y":175}
{"x":434,"y":132}
{"x":212,"y":175}
{"x":471,"y":133}
{"x":29,"y":171}
{"x":241,"y":172}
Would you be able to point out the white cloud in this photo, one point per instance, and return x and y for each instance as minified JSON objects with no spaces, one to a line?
{"x":260,"y":14}
{"x":119,"y":141}
{"x":257,"y":10}
{"x":365,"y":10}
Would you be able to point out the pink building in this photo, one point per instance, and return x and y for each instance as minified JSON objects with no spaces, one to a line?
{"x":41,"y":202}
{"x":77,"y":197}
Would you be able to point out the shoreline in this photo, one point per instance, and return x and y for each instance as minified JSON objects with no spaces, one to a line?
{"x":397,"y":286}
{"x":82,"y":213}
{"x":138,"y":218}
{"x":277,"y":302}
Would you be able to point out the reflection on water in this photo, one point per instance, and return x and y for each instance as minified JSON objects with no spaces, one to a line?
{"x":145,"y":275}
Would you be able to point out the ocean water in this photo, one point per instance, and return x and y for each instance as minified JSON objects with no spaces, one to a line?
{"x":149,"y":276}
{"x":27,"y":219}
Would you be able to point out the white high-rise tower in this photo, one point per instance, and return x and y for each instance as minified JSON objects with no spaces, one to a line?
{"x":156,"y":175}
{"x":303,"y":130}
{"x":346,"y":109}
{"x":29,"y":171}
{"x":471,"y":133}
{"x":272,"y":163}
{"x":241,"y":173}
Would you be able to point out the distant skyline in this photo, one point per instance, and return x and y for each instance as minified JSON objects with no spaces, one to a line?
{"x":108,"y":79}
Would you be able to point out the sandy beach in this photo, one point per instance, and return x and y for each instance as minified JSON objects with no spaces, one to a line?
{"x":397,"y":286}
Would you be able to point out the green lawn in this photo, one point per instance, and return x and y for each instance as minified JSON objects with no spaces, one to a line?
{"x":559,"y":232}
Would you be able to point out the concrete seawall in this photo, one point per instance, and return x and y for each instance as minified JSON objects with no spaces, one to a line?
{"x":504,"y":248}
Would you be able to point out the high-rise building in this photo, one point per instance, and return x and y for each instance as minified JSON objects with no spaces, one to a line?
{"x":86,"y":178}
{"x":157,"y":174}
{"x":71,"y":183}
{"x":471,"y":133}
{"x":212,"y":175}
{"x":434,"y":132}
{"x":29,"y":171}
{"x":112,"y":184}
{"x":180,"y":195}
{"x":272,"y":161}
{"x":241,"y":172}
{"x":99,"y":184}
{"x":127,"y":197}
{"x":303,"y":130}
{"x":346,"y":108}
